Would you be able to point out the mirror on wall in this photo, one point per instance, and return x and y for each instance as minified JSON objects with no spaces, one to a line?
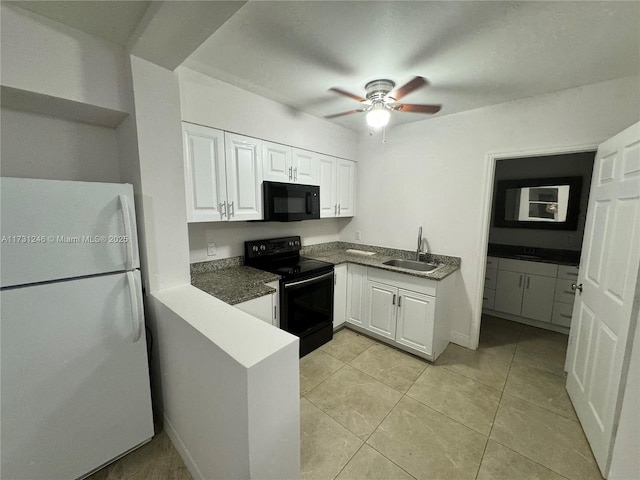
{"x":544,"y":203}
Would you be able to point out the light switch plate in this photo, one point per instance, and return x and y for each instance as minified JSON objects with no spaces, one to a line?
{"x":211,"y":249}
{"x":358,"y":235}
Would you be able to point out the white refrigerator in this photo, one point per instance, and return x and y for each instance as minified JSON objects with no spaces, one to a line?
{"x":74,"y":379}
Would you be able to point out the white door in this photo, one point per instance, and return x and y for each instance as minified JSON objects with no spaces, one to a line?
{"x":537,"y":300}
{"x":75,"y":381}
{"x":53,"y":229}
{"x":416,"y":313}
{"x":204,"y":173}
{"x":598,"y":352}
{"x":346,"y":183}
{"x":244,"y":177}
{"x":328,"y":199}
{"x":276,"y":162}
{"x":381,"y":312}
{"x":509,"y":288}
{"x":305,"y":167}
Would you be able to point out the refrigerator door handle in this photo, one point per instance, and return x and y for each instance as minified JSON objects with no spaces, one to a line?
{"x":136,"y":310}
{"x":128,"y":245}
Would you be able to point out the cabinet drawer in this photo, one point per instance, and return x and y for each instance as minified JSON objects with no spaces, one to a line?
{"x":488,"y":298}
{"x":563,"y":291}
{"x":562,"y":314}
{"x":568,"y":271}
{"x":524,"y":266}
{"x":492,"y":263}
{"x":490,"y":277}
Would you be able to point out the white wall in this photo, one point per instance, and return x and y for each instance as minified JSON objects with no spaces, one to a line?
{"x":45,"y":57}
{"x":210,"y":102}
{"x":37,"y":146}
{"x":229,"y":237}
{"x":434,"y":173}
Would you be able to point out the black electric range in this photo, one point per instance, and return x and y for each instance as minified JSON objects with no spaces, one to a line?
{"x":306,"y":288}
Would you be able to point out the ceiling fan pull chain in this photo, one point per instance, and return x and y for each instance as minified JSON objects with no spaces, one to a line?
{"x":384,"y":134}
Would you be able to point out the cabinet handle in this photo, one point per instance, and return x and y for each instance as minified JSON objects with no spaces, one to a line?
{"x":339,"y":209}
{"x":528,"y":282}
{"x":223,"y":208}
{"x":520,"y":282}
{"x":295,"y":174}
{"x":275,"y":313}
{"x":232,"y":210}
{"x":290,"y":172}
{"x":485,"y":298}
{"x":335,"y":209}
{"x":399,"y":301}
{"x":565,"y":316}
{"x":393,"y":302}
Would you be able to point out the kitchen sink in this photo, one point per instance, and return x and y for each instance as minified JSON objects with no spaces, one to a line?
{"x":411,"y":265}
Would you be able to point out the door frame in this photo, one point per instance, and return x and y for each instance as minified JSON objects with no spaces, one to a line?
{"x":487,"y":205}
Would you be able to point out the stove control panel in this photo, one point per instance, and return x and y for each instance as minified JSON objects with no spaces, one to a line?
{"x":272,"y":247}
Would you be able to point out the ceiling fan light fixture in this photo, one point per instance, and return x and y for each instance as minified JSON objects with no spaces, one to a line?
{"x":378,"y":116}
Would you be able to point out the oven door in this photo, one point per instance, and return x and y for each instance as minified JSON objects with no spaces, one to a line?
{"x":307,"y":305}
{"x":286,"y":202}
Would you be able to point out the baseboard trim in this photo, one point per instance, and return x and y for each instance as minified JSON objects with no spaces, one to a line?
{"x":182,"y":449}
{"x":460,"y":339}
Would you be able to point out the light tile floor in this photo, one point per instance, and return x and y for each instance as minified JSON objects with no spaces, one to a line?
{"x":368,"y":411}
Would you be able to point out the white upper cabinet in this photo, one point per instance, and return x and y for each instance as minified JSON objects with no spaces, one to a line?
{"x":282,"y":163}
{"x":276,"y":162}
{"x":305,"y":166}
{"x":328,"y":187}
{"x":244,"y":177}
{"x":337,"y":187}
{"x":346,"y":182}
{"x":205,"y":173}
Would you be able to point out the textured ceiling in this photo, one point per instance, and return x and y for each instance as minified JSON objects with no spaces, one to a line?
{"x":473,"y":53}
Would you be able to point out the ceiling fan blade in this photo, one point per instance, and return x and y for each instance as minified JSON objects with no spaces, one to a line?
{"x":345,"y":113}
{"x":347,"y":94}
{"x":409,"y":107}
{"x":409,"y":87}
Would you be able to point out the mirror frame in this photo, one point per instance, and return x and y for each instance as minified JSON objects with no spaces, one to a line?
{"x":573,"y":209}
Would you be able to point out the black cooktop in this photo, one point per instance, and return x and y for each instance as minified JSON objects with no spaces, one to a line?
{"x":282,"y":257}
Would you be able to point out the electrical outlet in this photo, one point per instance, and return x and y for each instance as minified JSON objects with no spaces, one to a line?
{"x":358,"y":235}
{"x":211,"y":249}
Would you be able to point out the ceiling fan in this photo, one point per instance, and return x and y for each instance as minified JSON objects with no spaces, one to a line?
{"x":379,"y":101}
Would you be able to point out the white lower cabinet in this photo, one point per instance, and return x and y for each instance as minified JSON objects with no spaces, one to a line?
{"x":265,"y":308}
{"x":401,"y":309}
{"x":356,"y":294}
{"x":340,"y":295}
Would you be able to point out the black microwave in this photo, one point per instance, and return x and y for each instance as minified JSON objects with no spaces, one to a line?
{"x":290,"y":202}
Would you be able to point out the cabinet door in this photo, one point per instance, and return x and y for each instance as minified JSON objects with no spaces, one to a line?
{"x":537,"y":301}
{"x":356,"y":290}
{"x":204,"y":173}
{"x":244,"y":177}
{"x":305,"y":167}
{"x":346,"y":187}
{"x":276,"y":162}
{"x":416,"y":313}
{"x":381,"y":309}
{"x":340,"y":295}
{"x":261,"y":307}
{"x":509,"y":288}
{"x":328,"y":200}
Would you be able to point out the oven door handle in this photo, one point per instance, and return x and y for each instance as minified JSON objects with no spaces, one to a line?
{"x":309,"y":280}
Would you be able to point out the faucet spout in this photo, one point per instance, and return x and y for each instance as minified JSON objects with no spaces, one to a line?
{"x":419,"y":244}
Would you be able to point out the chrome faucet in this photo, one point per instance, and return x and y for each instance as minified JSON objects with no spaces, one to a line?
{"x":419,"y":244}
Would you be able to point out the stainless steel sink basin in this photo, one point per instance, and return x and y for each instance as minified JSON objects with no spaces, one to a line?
{"x":411,"y":265}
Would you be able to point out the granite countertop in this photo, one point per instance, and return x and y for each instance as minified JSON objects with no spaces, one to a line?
{"x":230,"y":281}
{"x":535,"y":254}
{"x":336,"y":253}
